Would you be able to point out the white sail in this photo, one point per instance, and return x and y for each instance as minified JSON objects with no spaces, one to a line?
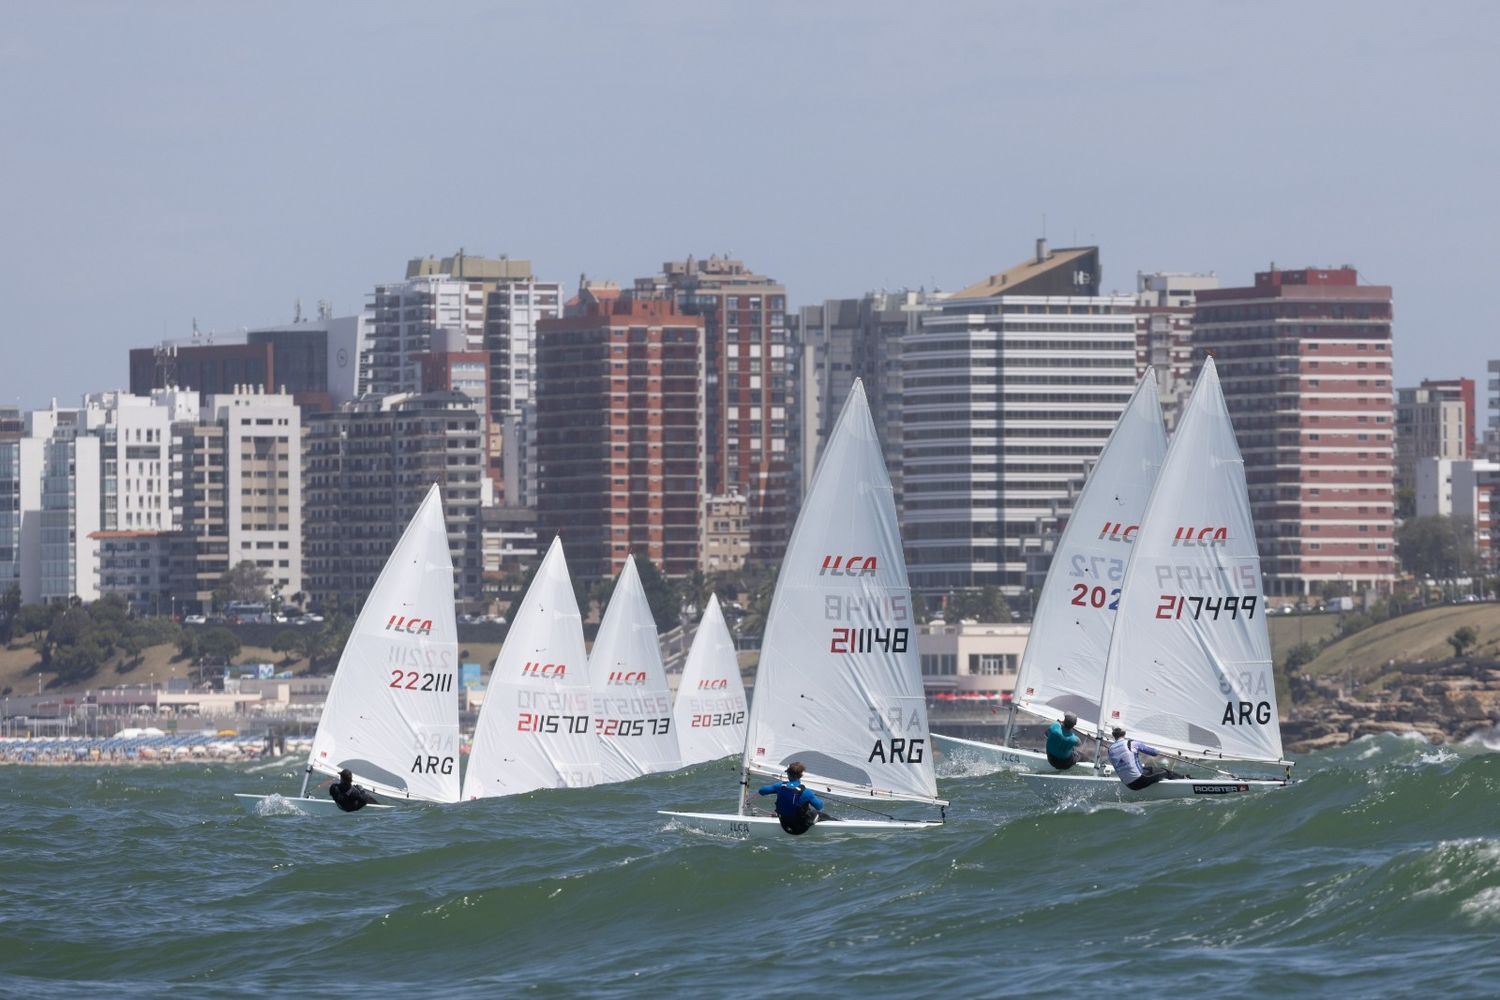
{"x":710,"y":711}
{"x":536,"y":727}
{"x":632,"y":703}
{"x":1189,"y":667}
{"x":839,"y":686}
{"x":392,"y":711}
{"x":1062,"y":669}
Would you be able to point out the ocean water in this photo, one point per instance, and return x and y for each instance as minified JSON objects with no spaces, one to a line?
{"x":1377,"y":874}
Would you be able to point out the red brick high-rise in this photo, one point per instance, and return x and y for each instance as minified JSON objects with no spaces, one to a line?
{"x":1305,"y":361}
{"x":619,"y":432}
{"x":746,"y":390}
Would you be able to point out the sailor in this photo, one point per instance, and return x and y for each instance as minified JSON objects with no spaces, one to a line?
{"x":1062,"y":743}
{"x":349,"y":796}
{"x":1124,"y":755}
{"x":797,"y":808}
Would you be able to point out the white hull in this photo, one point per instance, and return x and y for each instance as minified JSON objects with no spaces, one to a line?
{"x":994,"y":755}
{"x":287,"y":805}
{"x":762,"y":827}
{"x":1089,"y":788}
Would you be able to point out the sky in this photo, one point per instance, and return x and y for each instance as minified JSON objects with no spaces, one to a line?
{"x":169,"y":162}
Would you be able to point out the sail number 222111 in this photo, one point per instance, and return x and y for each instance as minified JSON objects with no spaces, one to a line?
{"x":411,"y":680}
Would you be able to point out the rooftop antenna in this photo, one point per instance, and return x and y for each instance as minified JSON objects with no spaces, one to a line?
{"x":297,"y":309}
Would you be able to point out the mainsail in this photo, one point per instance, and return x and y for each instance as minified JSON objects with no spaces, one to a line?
{"x":632,"y":703}
{"x":709,"y":715}
{"x":1189,"y":666}
{"x":536,"y":728}
{"x":1062,"y":668}
{"x":840,"y":685}
{"x":392,"y":711}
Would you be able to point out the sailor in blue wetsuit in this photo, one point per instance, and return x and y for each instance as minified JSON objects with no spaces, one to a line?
{"x":797,"y":808}
{"x":1062,"y":743}
{"x":1125,"y":756}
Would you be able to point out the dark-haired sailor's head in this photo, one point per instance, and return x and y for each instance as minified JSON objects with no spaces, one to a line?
{"x":1069,"y":720}
{"x":1118,"y":733}
{"x":346,"y":776}
{"x":794,"y":770}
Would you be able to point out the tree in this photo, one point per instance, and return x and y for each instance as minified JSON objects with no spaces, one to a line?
{"x":287,"y":642}
{"x":245,"y":582}
{"x":218,"y":645}
{"x":1463,"y":639}
{"x":986,"y":604}
{"x":1437,"y":546}
{"x":35,"y":618}
{"x":10,"y":606}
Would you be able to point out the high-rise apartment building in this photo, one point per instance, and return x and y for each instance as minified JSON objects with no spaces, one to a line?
{"x":237,"y":469}
{"x":403,"y":320}
{"x":1433,"y":420}
{"x":104,"y":466}
{"x":514,"y":303}
{"x":1304,"y":357}
{"x":1010,"y":387}
{"x":21,"y":457}
{"x":620,"y":435}
{"x":1164,"y":333}
{"x":842,"y":340}
{"x":747,"y":392}
{"x":367,"y":466}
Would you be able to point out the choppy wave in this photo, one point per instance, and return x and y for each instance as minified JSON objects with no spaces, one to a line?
{"x":1376,"y":873}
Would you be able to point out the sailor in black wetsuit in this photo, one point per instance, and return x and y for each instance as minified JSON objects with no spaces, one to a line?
{"x":348,"y":795}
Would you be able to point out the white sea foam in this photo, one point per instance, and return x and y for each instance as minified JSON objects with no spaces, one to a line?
{"x":1483,"y":906}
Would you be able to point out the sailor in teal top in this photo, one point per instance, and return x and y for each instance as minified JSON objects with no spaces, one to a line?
{"x":1062,"y":743}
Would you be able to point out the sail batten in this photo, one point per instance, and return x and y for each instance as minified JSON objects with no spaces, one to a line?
{"x":1189,"y":664}
{"x":391,"y":716}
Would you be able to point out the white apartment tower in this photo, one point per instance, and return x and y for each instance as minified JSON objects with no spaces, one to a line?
{"x":1009,"y":390}
{"x":262,"y":441}
{"x":401,"y":322}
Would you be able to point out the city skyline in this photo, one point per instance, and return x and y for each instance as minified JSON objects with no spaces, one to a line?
{"x":842,"y":150}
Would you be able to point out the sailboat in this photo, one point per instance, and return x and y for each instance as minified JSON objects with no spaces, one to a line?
{"x":1189,"y":664}
{"x":710,"y":711}
{"x":632,"y":702}
{"x":536,"y":728}
{"x":392,"y":711}
{"x":1062,"y":667}
{"x":839,"y":687}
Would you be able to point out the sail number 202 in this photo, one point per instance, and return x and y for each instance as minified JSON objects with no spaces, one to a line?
{"x":1173,"y":606}
{"x":1096,"y":597}
{"x":411,"y":680}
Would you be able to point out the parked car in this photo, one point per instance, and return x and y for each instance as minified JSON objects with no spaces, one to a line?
{"x":310,"y":619}
{"x":195,"y":620}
